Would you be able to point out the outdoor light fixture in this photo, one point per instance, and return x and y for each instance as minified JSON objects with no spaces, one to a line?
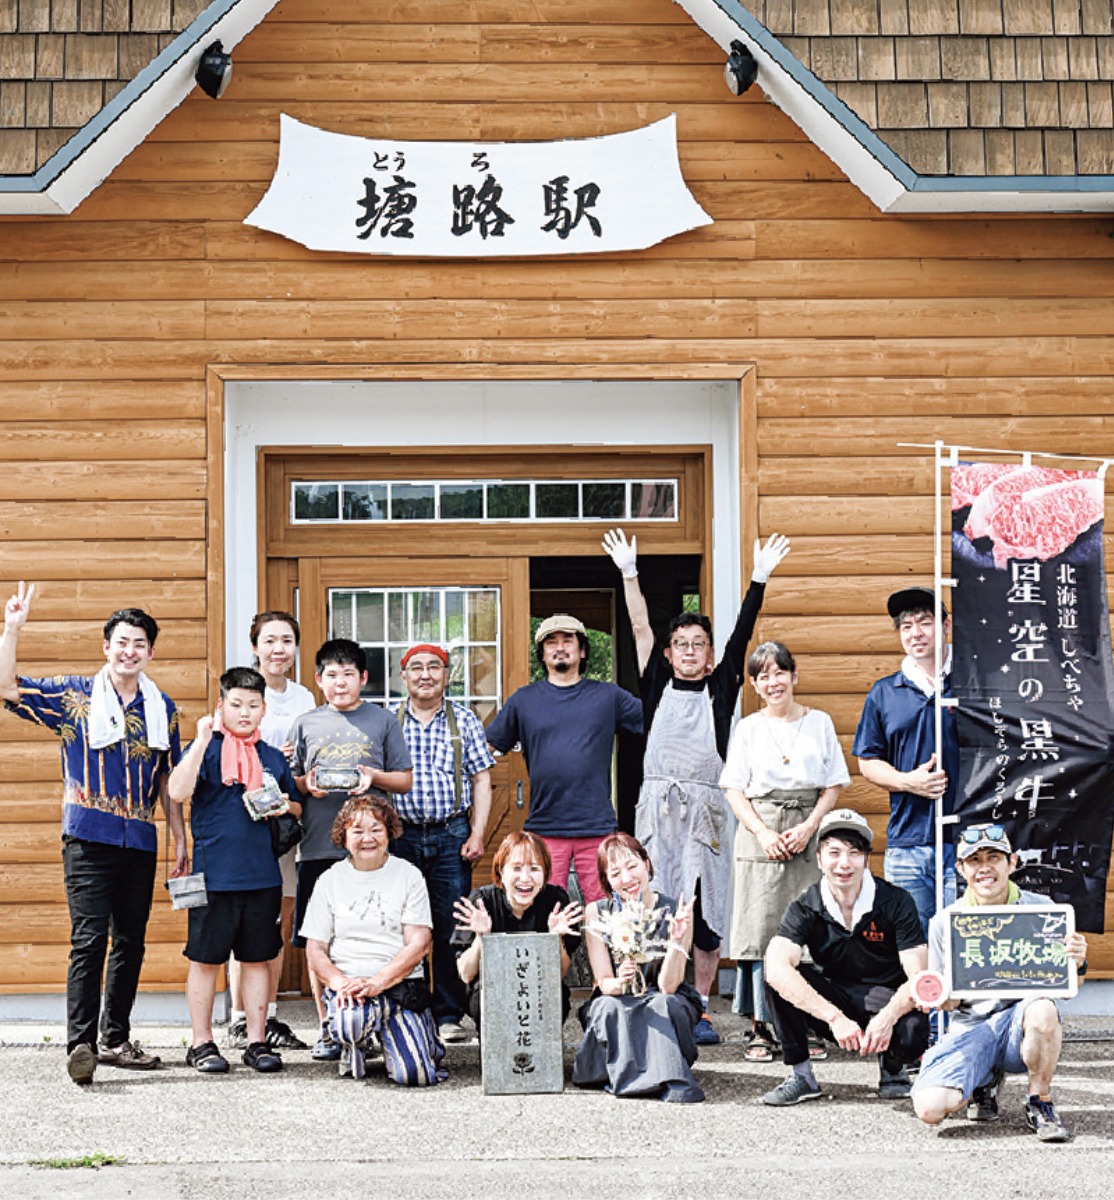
{"x":214,"y":72}
{"x":741,"y":69}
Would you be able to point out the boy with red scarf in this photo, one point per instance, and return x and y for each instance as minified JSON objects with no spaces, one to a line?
{"x":233,"y":851}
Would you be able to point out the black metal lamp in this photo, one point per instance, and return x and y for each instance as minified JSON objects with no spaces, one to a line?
{"x":741,"y":69}
{"x":214,"y":71}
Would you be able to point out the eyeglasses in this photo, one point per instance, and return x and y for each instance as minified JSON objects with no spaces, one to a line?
{"x":697,"y":644}
{"x":425,"y":668}
{"x":983,"y":833}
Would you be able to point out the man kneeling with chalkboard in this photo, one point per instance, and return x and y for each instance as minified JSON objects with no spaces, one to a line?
{"x":993,"y":1037}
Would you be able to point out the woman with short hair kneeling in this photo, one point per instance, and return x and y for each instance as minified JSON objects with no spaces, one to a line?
{"x":367,"y":929}
{"x":638,"y":1024}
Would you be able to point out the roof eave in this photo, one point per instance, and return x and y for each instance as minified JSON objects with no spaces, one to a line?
{"x":866,"y":160}
{"x":90,"y":156}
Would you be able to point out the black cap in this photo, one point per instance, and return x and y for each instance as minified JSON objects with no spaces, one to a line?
{"x":913,"y":599}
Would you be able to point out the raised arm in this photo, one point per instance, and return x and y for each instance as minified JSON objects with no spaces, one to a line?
{"x":766,"y":558}
{"x":16,"y":612}
{"x":624,"y":555}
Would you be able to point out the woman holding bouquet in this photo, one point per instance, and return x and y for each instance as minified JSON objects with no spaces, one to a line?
{"x":638,"y":1025}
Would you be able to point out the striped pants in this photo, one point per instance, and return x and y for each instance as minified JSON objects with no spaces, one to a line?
{"x":412,"y":1050}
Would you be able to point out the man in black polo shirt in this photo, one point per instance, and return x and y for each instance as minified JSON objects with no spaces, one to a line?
{"x":866,"y":943}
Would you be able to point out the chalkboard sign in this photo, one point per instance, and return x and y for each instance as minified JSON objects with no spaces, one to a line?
{"x":1009,"y":951}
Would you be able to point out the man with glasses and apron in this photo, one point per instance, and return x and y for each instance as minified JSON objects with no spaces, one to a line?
{"x":688,"y":706}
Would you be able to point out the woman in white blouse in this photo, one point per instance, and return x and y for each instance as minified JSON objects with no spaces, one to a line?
{"x":784,"y":772}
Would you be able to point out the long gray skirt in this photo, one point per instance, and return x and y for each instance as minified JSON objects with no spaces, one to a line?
{"x":640,"y":1046}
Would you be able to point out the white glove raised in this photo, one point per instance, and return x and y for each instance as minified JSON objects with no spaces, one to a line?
{"x":767,"y":557}
{"x":624,"y":554}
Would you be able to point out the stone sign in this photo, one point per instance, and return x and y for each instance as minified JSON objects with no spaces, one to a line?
{"x":520,"y":1037}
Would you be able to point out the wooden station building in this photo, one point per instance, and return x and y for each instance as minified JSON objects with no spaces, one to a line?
{"x":912,"y":240}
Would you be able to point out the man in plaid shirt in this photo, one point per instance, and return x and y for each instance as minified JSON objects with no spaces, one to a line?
{"x":444,"y":817}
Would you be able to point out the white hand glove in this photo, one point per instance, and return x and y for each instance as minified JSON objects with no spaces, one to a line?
{"x":768,"y":556}
{"x":624,"y":554}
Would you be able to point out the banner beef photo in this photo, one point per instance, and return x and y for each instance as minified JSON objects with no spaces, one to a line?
{"x":1032,"y":673}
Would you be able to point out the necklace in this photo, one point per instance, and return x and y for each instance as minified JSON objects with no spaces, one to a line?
{"x":786,"y":754}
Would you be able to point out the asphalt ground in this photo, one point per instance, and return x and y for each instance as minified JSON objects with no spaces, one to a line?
{"x":175,"y":1134}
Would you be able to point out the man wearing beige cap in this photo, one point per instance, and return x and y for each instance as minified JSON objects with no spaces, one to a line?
{"x":567,"y":725}
{"x":865,"y":940}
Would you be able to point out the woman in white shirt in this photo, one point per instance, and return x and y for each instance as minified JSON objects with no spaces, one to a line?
{"x":783,"y":774}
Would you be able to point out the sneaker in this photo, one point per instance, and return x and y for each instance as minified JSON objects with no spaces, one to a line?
{"x":237,"y":1037}
{"x":130,"y":1055}
{"x":325,"y":1049}
{"x":705,"y":1032}
{"x":279,"y":1036}
{"x":81,"y":1063}
{"x":260,"y":1057}
{"x":1045,"y":1121}
{"x":893,"y":1085}
{"x":983,"y":1105}
{"x":452,"y":1031}
{"x":792,"y":1090}
{"x":207,"y":1059}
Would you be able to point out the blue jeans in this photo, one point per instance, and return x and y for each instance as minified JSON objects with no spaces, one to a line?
{"x":914,"y":869}
{"x":750,"y":990}
{"x":435,"y":851}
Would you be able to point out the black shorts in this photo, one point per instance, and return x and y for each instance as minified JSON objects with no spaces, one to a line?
{"x":246,"y":924}
{"x":309,"y":872}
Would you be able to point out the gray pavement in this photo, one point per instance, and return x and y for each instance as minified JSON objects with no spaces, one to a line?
{"x":306,"y":1131}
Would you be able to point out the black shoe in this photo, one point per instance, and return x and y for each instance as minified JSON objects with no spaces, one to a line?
{"x":82,"y":1063}
{"x":1045,"y":1121}
{"x":207,"y":1059}
{"x":892,"y":1085}
{"x":279,"y":1036}
{"x":260,"y":1057}
{"x":237,"y":1037}
{"x":983,"y":1105}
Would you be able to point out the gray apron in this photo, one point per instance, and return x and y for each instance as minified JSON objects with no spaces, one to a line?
{"x":681,"y":817}
{"x":764,"y":889}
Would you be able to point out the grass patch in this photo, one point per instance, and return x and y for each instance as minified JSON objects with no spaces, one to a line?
{"x":96,"y":1160}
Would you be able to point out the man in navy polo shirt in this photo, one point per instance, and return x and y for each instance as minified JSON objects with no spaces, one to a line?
{"x":119,"y":739}
{"x":895,"y":744}
{"x":567,"y":724}
{"x":866,"y":944}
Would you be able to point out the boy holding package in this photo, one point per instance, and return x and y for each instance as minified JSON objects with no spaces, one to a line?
{"x":227,"y":770}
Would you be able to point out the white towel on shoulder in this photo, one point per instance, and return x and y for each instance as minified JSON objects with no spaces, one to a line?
{"x":106,"y":713}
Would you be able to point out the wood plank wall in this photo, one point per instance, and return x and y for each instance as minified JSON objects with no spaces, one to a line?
{"x":866,"y":331}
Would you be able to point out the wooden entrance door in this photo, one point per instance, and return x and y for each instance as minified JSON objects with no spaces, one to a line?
{"x":477,"y":607}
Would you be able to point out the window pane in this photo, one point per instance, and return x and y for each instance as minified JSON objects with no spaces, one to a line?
{"x":462,"y":501}
{"x":557,"y":500}
{"x":605,"y":500}
{"x":454,"y":617}
{"x":395,"y":687}
{"x":412,"y":502}
{"x":375,"y":682}
{"x":365,"y":502}
{"x":483,"y":679}
{"x":484,"y":709}
{"x":653,"y":500}
{"x":397,"y":630}
{"x":369,"y":617}
{"x":508,"y":501}
{"x":425,"y":617}
{"x":340,"y":615}
{"x":483,"y":616}
{"x":316,"y":501}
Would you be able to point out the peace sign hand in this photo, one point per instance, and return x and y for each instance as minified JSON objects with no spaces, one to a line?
{"x":18,"y":607}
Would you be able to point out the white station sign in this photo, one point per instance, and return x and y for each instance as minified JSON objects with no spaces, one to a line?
{"x":333,"y":191}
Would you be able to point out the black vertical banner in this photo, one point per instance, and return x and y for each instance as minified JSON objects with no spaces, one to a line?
{"x":1033,"y":675}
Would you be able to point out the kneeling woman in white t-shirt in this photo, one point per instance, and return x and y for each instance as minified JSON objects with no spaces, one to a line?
{"x":367,"y":929}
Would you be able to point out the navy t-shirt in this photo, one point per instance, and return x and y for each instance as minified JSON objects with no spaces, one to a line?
{"x":567,"y":735}
{"x":232,"y":850}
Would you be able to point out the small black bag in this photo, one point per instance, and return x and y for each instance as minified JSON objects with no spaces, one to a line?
{"x":286,"y":833}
